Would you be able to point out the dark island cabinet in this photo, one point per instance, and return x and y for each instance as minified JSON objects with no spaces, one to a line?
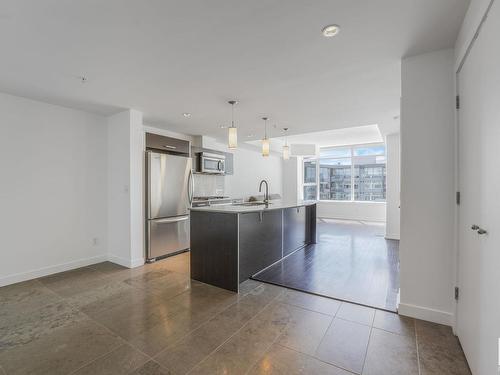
{"x":294,"y":229}
{"x":260,"y":241}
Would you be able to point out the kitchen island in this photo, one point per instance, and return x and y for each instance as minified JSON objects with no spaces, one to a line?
{"x":230,"y":244}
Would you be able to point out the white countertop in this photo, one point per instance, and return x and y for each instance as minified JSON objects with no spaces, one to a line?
{"x":237,"y":209}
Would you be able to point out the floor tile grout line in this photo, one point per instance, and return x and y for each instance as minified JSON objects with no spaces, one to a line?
{"x":124,"y":341}
{"x":269,"y":347}
{"x":202,"y":324}
{"x":324,"y":335}
{"x":322,"y":339}
{"x":235,"y":333}
{"x":96,"y":359}
{"x":366,"y":351}
{"x":106,"y":329}
{"x":416,"y":345}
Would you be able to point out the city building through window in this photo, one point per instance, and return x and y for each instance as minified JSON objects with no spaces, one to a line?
{"x":351,"y":173}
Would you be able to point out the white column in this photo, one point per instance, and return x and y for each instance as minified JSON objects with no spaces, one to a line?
{"x":392,"y":186}
{"x":125,"y":189}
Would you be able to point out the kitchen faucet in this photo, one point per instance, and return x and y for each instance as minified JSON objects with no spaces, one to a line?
{"x":266,"y":197}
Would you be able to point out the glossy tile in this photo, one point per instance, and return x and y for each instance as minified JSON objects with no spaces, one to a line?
{"x":439,"y":350}
{"x":183,"y":355}
{"x":283,"y":361}
{"x":442,"y":360}
{"x":355,"y":313}
{"x":122,"y":360}
{"x":67,"y":284}
{"x":24,"y":297}
{"x":26,"y":326}
{"x":248,"y":285}
{"x":239,"y":354}
{"x":151,"y":368}
{"x":92,"y":320}
{"x":344,"y":345}
{"x":62,"y":351}
{"x":311,"y":302}
{"x":395,"y":323}
{"x":391,"y":354}
{"x":178,"y":264}
{"x":305,"y":331}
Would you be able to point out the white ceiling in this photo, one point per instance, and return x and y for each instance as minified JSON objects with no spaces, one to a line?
{"x":168,"y":57}
{"x":338,"y":137}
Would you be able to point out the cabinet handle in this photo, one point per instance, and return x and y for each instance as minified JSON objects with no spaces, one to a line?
{"x":260,"y":216}
{"x":170,"y":147}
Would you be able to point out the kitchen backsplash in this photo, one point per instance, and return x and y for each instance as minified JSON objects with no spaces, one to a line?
{"x":205,"y":185}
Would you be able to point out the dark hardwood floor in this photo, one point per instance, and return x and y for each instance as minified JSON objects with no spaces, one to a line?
{"x":352,"y":261}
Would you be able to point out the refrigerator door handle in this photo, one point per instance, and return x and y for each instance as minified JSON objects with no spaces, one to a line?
{"x":172,"y":219}
{"x":190,"y":187}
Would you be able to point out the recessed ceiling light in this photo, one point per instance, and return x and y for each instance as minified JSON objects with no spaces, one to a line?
{"x":223,"y":126}
{"x":186,"y":115}
{"x":249,"y":135}
{"x":331,"y":30}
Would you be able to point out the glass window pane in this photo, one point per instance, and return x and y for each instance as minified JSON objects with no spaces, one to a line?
{"x":335,"y":180}
{"x":369,"y":150}
{"x":370,"y":178}
{"x":309,"y":171}
{"x":310,"y":192}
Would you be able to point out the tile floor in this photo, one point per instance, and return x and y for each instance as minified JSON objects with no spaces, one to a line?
{"x":105,"y":319}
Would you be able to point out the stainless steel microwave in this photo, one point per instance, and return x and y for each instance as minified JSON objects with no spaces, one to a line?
{"x":211,"y":163}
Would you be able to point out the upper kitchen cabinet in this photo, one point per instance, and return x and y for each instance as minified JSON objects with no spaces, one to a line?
{"x":167,"y":144}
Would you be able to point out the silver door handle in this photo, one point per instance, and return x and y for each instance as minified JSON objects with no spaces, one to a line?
{"x":481,"y":231}
{"x":190,"y":187}
{"x":474,"y":227}
{"x":171,"y":219}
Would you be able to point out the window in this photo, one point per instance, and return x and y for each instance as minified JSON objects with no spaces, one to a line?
{"x":310,"y":184}
{"x":369,"y":173}
{"x":354,"y":173}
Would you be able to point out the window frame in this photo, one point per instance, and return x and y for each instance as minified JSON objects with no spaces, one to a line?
{"x":352,"y":157}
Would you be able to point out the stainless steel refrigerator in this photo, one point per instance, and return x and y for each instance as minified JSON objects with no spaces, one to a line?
{"x":169,"y":192}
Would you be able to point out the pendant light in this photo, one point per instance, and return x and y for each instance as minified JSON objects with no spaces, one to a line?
{"x":286,"y":149}
{"x":232,"y":132}
{"x":265,"y":140}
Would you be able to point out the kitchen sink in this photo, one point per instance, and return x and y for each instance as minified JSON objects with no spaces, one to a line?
{"x":249,"y":204}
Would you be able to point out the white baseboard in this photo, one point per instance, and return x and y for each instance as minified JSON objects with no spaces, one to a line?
{"x":374,"y":220}
{"x":45,"y":271}
{"x":126,"y":262}
{"x":425,"y":313}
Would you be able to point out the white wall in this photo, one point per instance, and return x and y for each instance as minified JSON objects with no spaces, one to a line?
{"x":475,"y":13}
{"x":125,"y":188}
{"x":250,"y":167}
{"x":393,"y":176}
{"x":291,"y":175}
{"x":427,"y":186}
{"x":53,"y":189}
{"x":366,"y":211}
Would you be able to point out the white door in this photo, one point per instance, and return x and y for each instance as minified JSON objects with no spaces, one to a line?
{"x":478,"y":318}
